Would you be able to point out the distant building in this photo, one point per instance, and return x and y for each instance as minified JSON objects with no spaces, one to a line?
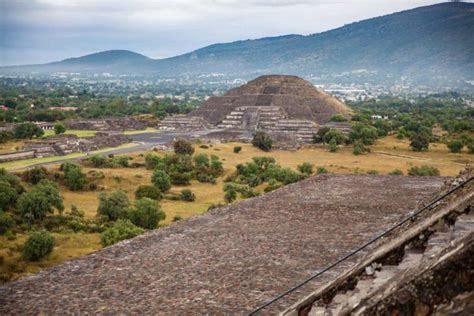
{"x":63,"y":108}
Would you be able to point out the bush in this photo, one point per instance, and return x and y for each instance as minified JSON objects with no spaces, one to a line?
{"x":423,"y":171}
{"x":237,"y":149}
{"x":180,"y":178}
{"x":273,"y":185}
{"x":183,"y":147}
{"x":153,"y":162}
{"x":336,"y":135}
{"x":321,"y":170}
{"x":262,"y":141}
{"x":59,"y":129}
{"x":372,"y":172}
{"x":148,"y":191}
{"x":34,"y":205}
{"x":161,"y":180}
{"x":35,"y":175}
{"x":230,"y":195}
{"x":113,"y":206}
{"x":122,"y":229}
{"x":38,"y":245}
{"x":396,"y":172}
{"x":146,"y":214}
{"x":6,"y":222}
{"x":177,"y":218}
{"x":419,"y":142}
{"x":75,"y":179}
{"x":98,"y":161}
{"x":455,"y":146}
{"x":332,"y":145}
{"x":187,"y":195}
{"x":8,"y":195}
{"x":305,"y":168}
{"x":27,"y":130}
{"x":122,"y":161}
{"x":319,"y":136}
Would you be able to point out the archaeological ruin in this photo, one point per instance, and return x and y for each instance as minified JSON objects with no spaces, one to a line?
{"x":276,"y":104}
{"x":106,"y":124}
{"x":374,"y":243}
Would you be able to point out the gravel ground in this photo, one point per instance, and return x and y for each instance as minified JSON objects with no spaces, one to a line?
{"x":230,"y":260}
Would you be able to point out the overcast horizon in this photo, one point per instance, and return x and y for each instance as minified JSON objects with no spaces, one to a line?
{"x":40,"y":31}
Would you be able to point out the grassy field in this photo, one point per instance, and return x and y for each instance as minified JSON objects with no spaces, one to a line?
{"x":77,"y":132}
{"x":386,"y":155}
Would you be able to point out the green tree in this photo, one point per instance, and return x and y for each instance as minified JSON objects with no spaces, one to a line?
{"x":237,"y":149}
{"x":73,"y":175}
{"x":319,"y":136}
{"x":230,"y":195}
{"x":6,"y":222}
{"x":146,"y":214}
{"x":419,"y":142}
{"x":42,"y":199}
{"x":335,"y":134}
{"x":59,"y":129}
{"x":38,"y":245}
{"x":113,"y":206}
{"x":6,"y":136}
{"x":8,"y":195}
{"x":122,"y":229}
{"x":27,"y":131}
{"x":455,"y":146}
{"x":161,"y":180}
{"x":183,"y":147}
{"x":262,"y":141}
{"x":12,"y":180}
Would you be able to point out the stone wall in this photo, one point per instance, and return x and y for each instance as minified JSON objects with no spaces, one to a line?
{"x":106,"y":124}
{"x":18,"y":155}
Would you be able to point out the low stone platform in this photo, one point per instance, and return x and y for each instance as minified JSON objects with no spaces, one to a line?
{"x":229,"y":260}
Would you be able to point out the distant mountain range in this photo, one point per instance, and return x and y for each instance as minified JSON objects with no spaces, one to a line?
{"x":426,"y":43}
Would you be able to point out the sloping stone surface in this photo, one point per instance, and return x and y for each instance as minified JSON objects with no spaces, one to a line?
{"x":229,"y":260}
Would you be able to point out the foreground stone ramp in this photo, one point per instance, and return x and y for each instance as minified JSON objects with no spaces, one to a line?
{"x":230,"y":260}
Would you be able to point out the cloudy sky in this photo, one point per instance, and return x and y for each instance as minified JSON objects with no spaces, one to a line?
{"x":38,"y":31}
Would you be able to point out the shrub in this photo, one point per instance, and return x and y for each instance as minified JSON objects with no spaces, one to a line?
{"x":423,"y":171}
{"x":75,"y":179}
{"x":122,"y":229}
{"x":470,"y":146}
{"x":396,"y":172}
{"x":180,"y":178}
{"x":34,"y":205}
{"x":161,"y":180}
{"x":8,"y":195}
{"x":76,"y":212}
{"x":113,"y":206}
{"x":12,"y":180}
{"x":321,"y":170}
{"x":187,"y":195}
{"x":455,"y":146}
{"x":38,"y":245}
{"x":6,"y":222}
{"x":337,"y":118}
{"x":372,"y":172}
{"x":98,"y":161}
{"x":27,"y":130}
{"x":59,"y":129}
{"x":319,"y":136}
{"x":230,"y":195}
{"x":183,"y":147}
{"x":332,"y":145}
{"x":305,"y":168}
{"x":177,"y":218}
{"x":419,"y":142}
{"x":153,"y":162}
{"x":336,"y":135}
{"x":273,"y":185}
{"x":122,"y":161}
{"x":237,"y":149}
{"x":363,"y":133}
{"x":148,"y":191}
{"x":146,"y":214}
{"x":262,"y":141}
{"x":35,"y":175}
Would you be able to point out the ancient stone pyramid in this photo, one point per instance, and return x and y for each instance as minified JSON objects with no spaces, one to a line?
{"x":279,"y":96}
